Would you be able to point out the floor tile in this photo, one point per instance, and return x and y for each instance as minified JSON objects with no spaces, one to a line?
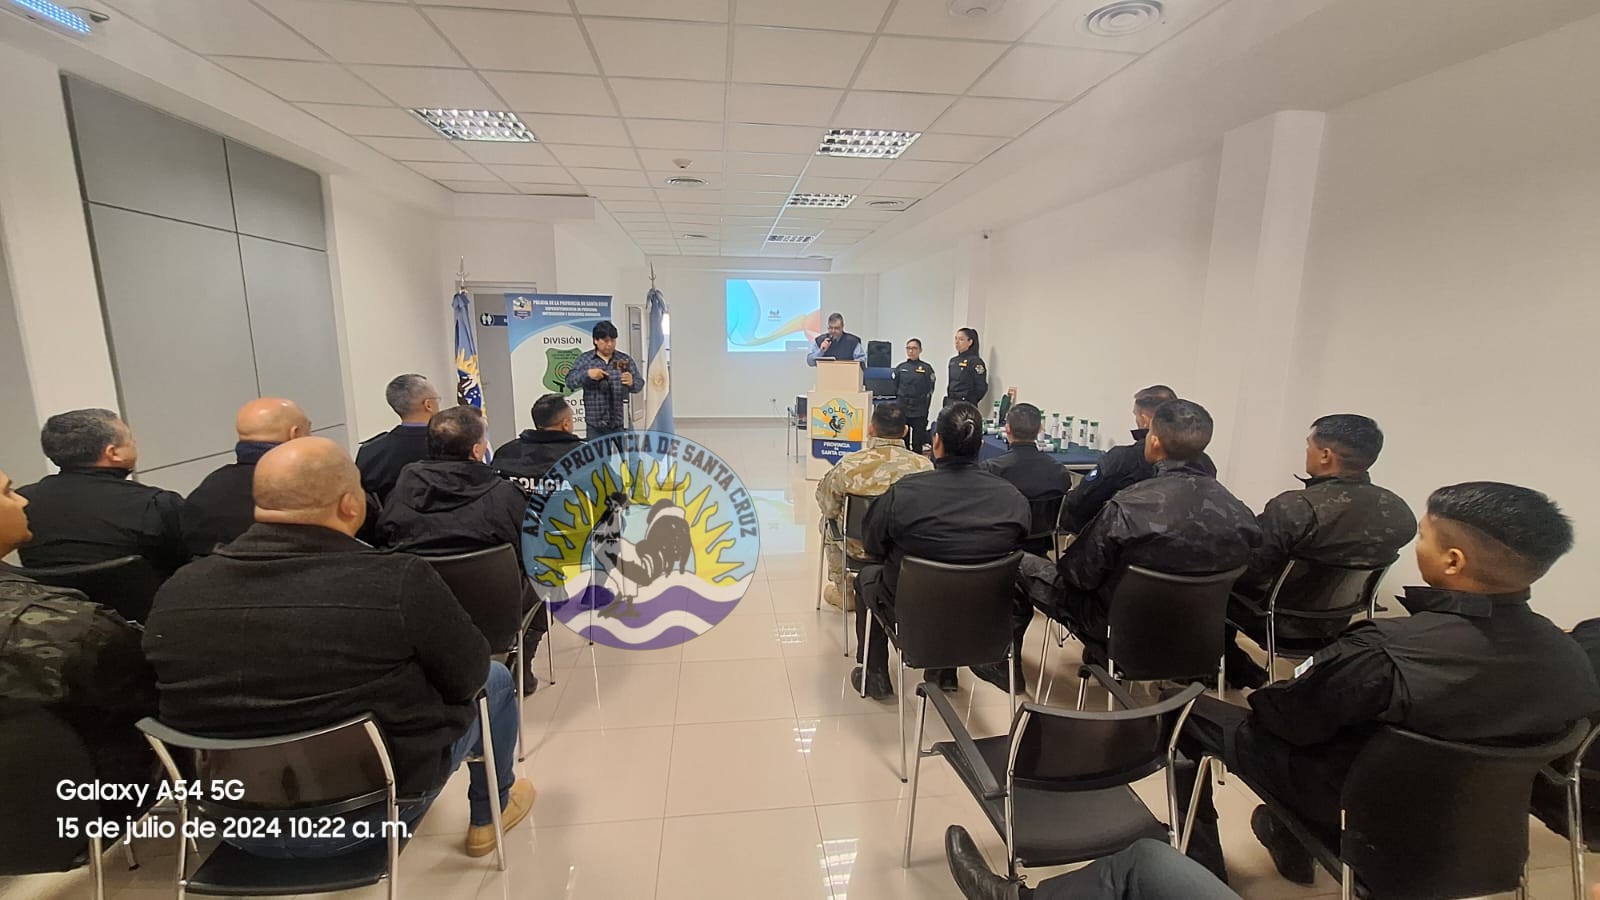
{"x":585,"y":777}
{"x":580,"y":862}
{"x":774,"y":854}
{"x":821,"y":686}
{"x":616,"y":697}
{"x":865,"y":841}
{"x":737,"y":637}
{"x":734,"y":691}
{"x":855,"y":759}
{"x":737,"y":766}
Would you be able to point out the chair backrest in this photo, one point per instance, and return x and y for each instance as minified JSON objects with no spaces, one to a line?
{"x":325,"y":771}
{"x":1045,"y":513}
{"x":1462,"y":830}
{"x":127,"y":584}
{"x":1168,"y":626}
{"x":1306,"y":586}
{"x":1076,"y":750}
{"x":855,"y":514}
{"x":37,"y":751}
{"x":488,"y":585}
{"x":948,"y":614}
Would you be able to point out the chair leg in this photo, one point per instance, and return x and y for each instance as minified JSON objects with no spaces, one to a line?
{"x":1083,"y":690}
{"x":900,"y":704}
{"x":866,"y":653}
{"x":1522,"y":883}
{"x":916,"y":769}
{"x":1347,"y":882}
{"x":97,"y":867}
{"x":493,"y":778}
{"x":1222,"y":675}
{"x":1011,"y":681}
{"x":549,"y":640}
{"x":1011,"y":836}
{"x":127,"y":854}
{"x":822,"y":570}
{"x":1200,"y":773}
{"x":393,"y":823}
{"x":849,"y":604}
{"x":1575,"y":831}
{"x":1044,"y":659}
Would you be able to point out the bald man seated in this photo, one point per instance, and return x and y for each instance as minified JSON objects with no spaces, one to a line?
{"x":297,"y":625}
{"x":223,"y":499}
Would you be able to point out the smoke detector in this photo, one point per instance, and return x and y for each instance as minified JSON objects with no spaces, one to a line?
{"x":1124,"y":18}
{"x":975,"y":9}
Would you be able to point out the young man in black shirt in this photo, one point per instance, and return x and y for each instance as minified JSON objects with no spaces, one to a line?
{"x":1029,"y":470}
{"x":526,"y":459}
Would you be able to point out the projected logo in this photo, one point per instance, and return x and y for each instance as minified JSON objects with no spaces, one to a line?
{"x":647,"y":540}
{"x":772,"y":315}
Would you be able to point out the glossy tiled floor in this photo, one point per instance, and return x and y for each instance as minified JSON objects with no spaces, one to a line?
{"x":738,"y":765}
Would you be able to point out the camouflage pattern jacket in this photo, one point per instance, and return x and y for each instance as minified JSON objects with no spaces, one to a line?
{"x":57,"y":648}
{"x":868,"y":472}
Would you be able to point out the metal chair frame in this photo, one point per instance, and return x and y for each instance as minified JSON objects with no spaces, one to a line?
{"x":834,"y":535}
{"x":1368,"y":603}
{"x":1572,"y":780}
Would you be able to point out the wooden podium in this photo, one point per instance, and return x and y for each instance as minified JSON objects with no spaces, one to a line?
{"x":838,"y":409}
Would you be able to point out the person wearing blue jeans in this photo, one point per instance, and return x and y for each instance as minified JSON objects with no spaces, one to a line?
{"x":1147,"y":870}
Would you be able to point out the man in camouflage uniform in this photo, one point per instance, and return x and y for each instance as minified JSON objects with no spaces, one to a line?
{"x":867,"y":472}
{"x":1340,"y":518}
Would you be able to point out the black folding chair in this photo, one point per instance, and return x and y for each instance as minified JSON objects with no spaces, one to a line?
{"x":127,"y":584}
{"x":1056,"y":787}
{"x":1567,"y":773}
{"x":1310,"y":592}
{"x":489,"y":586}
{"x":1045,"y":519}
{"x":1427,"y":819}
{"x":855,"y":518}
{"x":947,"y":615}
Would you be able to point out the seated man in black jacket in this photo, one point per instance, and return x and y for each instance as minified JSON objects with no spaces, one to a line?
{"x":527,"y":458}
{"x":1339,"y":518}
{"x":1472,"y":663}
{"x":298,"y":625}
{"x":1122,"y":466}
{"x":1030,"y":471}
{"x":957,"y":513}
{"x":223,"y":499}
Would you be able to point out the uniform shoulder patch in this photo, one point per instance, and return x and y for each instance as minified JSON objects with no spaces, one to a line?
{"x":979,"y":367}
{"x":1093,"y":474}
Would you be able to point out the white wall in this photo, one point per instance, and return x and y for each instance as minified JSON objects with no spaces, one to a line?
{"x":916,"y":301}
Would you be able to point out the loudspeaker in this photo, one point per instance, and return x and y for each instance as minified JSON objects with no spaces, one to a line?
{"x":878,"y":355}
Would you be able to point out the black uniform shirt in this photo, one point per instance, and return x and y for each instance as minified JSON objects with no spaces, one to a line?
{"x":87,"y":514}
{"x":969,"y":379}
{"x":381,"y":458}
{"x":1119,"y":468}
{"x":525,"y":460}
{"x":956,"y":513}
{"x":1034,"y":474}
{"x":913,"y":387}
{"x":225,"y":500}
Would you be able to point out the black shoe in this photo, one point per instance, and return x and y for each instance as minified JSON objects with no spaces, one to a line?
{"x":1287,"y":853}
{"x":995,"y":674}
{"x":878,"y":685}
{"x":971,"y":873}
{"x":945,"y":678}
{"x":530,"y":683}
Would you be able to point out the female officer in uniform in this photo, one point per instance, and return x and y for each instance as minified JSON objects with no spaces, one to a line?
{"x":969,"y":378}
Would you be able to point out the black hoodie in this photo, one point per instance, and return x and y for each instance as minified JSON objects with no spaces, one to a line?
{"x":451,"y":506}
{"x":527,"y":459}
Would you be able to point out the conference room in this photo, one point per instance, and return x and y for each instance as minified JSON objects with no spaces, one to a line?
{"x":849,"y":448}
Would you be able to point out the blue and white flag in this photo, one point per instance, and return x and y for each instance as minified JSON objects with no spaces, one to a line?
{"x":469,"y":388}
{"x":658,"y":396}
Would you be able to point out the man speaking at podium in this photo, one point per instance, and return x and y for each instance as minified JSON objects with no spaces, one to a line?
{"x":836,"y":344}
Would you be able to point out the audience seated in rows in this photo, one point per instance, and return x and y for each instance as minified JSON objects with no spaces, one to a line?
{"x":1339,"y":518}
{"x":956,"y":513}
{"x":526,"y":460}
{"x":1147,"y":870}
{"x":1030,"y":471}
{"x":223,"y":500}
{"x":1472,"y":663}
{"x":92,"y":511}
{"x":868,"y":473}
{"x":1123,"y":465}
{"x":297,"y":625}
{"x":80,"y":660}
{"x":381,"y":457}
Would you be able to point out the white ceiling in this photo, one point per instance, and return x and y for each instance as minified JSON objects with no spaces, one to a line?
{"x":620,"y":91}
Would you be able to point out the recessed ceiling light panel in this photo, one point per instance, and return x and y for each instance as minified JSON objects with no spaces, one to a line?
{"x":686,"y":181}
{"x":866,"y":143}
{"x":476,"y":125}
{"x":1124,"y":17}
{"x":53,"y":16}
{"x":826,"y":201}
{"x":790,"y":238}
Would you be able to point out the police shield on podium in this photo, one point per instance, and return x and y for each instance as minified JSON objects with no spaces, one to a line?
{"x":838,"y":410}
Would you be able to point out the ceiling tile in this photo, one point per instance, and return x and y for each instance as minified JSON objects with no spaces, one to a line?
{"x":515,"y":154}
{"x":370,"y":121}
{"x":926,"y":66}
{"x":846,"y":167}
{"x":767,"y":163}
{"x":756,"y":198}
{"x":624,"y":193}
{"x":700,"y":161}
{"x":636,"y":210}
{"x":934,"y":20}
{"x":221,"y":27}
{"x":595,"y":157}
{"x":1001,"y":118}
{"x":308,"y":81}
{"x":561,"y":190}
{"x":539,"y":92}
{"x":414,"y":87}
{"x":788,"y":56}
{"x":671,"y":135}
{"x":665,"y":99}
{"x":772,"y":105}
{"x":837,"y":15}
{"x":516,"y":41}
{"x":612,"y":177}
{"x":435,"y":149}
{"x":691,"y":10}
{"x":553,"y":129}
{"x":917,"y":170}
{"x":896,"y":111}
{"x":1064,"y":26}
{"x":478,"y":187}
{"x":453,"y":171}
{"x":367,"y":33}
{"x":1049,"y":73}
{"x":539,"y":174}
{"x":953,"y":147}
{"x":549,"y":6}
{"x":765,"y":184}
{"x":774,"y":138}
{"x":660,"y":49}
{"x":676,"y":208}
{"x":824,"y":185}
{"x":711,"y":190}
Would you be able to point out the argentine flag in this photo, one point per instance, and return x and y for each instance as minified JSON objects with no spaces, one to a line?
{"x":658,"y":396}
{"x":469,"y":388}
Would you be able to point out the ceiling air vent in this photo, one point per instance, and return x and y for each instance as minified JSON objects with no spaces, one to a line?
{"x":790,"y":238}
{"x":686,"y":181}
{"x":1124,"y":17}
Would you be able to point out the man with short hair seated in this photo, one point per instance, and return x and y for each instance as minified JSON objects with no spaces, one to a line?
{"x":956,"y":513}
{"x":1028,"y":469}
{"x":223,"y":499}
{"x":868,"y":473}
{"x":1473,"y":663}
{"x":1123,"y":465}
{"x":381,"y":457}
{"x":297,"y":625}
{"x":526,"y":459}
{"x":1339,"y":518}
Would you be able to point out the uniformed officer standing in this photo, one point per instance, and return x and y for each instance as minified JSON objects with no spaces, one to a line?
{"x":913,"y":390}
{"x":969,"y":378}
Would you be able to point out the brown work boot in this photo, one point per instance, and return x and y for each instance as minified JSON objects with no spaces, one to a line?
{"x":832,"y":595}
{"x":480,"y":838}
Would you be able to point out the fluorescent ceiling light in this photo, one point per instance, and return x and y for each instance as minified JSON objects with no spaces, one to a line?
{"x":829,"y":201}
{"x":52,"y":15}
{"x":870,"y":143}
{"x":476,"y":124}
{"x":790,"y":238}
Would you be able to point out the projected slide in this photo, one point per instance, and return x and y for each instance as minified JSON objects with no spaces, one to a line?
{"x":771,"y":316}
